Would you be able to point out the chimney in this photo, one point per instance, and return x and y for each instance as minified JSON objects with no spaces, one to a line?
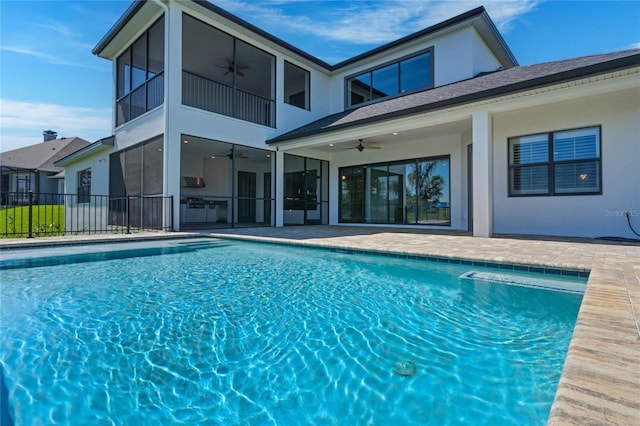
{"x":49,"y":135}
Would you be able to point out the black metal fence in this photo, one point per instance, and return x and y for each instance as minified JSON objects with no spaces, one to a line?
{"x":28,"y":214}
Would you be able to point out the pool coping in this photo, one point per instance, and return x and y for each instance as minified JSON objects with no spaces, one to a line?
{"x":601,"y":375}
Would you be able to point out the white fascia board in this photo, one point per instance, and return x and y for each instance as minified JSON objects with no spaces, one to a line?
{"x":133,"y":29}
{"x":83,"y":154}
{"x":597,"y":85}
{"x":606,"y":83}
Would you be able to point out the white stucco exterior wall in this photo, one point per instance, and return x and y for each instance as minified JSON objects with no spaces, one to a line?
{"x":577,"y":215}
{"x":94,"y":215}
{"x":471,"y":57}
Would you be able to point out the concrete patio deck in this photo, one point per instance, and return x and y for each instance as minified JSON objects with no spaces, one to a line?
{"x":600,"y":382}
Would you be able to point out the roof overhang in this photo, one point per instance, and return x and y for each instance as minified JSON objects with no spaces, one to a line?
{"x":126,"y":28}
{"x":142,"y":11}
{"x":478,"y":18}
{"x":612,"y":82}
{"x":628,"y":64}
{"x":98,"y":146}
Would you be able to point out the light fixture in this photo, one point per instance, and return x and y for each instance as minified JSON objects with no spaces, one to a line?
{"x":395,"y":133}
{"x":268,"y":155}
{"x":344,"y":177}
{"x":583,"y":176}
{"x":213,"y":156}
{"x":330,"y":144}
{"x":159,"y":149}
{"x":185,"y":141}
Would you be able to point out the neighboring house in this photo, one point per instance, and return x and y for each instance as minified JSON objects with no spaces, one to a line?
{"x":32,"y":168}
{"x":440,"y":129}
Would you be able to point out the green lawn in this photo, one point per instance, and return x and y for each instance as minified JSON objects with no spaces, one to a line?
{"x":48,"y":220}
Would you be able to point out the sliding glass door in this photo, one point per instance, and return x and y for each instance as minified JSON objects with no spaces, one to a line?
{"x":409,"y":192}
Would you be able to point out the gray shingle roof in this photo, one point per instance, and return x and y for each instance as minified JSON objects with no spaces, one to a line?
{"x":41,"y":156}
{"x":478,"y":88}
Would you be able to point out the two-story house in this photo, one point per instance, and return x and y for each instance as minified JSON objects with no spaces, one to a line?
{"x":441,"y":128}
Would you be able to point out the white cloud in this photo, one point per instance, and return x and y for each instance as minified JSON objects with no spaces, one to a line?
{"x":633,"y":46}
{"x":52,"y":59}
{"x":375,"y":22}
{"x":22,"y":123}
{"x":59,"y":28}
{"x":11,"y":141}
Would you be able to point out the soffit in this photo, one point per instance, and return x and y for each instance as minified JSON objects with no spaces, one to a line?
{"x":132,"y":23}
{"x":468,"y":93}
{"x":452,"y":119}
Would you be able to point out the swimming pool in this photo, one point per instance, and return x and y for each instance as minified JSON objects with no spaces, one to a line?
{"x":223,"y":332}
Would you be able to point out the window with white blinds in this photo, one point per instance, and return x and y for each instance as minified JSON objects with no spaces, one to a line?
{"x":556,"y":163}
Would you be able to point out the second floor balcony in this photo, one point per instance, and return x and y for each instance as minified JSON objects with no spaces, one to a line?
{"x":210,"y":95}
{"x":226,"y":75}
{"x":142,"y":99}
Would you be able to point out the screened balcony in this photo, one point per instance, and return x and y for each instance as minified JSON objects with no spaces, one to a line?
{"x":225,"y":75}
{"x":140,"y":75}
{"x":210,"y":95}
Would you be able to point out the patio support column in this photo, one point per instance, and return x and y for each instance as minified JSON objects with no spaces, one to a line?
{"x":172,"y":149}
{"x":279,"y":189}
{"x":482,"y":174}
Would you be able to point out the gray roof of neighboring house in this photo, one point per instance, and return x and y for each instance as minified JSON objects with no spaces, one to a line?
{"x":104,"y":143}
{"x":41,"y":156}
{"x":478,"y":88}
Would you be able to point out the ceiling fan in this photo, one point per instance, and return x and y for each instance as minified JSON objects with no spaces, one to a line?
{"x":230,"y":155}
{"x":233,"y":67}
{"x":361,"y":147}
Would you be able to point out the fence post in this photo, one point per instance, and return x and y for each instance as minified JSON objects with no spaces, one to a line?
{"x":30,"y":214}
{"x":171,"y":214}
{"x":128,"y":214}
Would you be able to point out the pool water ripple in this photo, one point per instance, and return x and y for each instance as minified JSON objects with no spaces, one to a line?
{"x":249,"y":334}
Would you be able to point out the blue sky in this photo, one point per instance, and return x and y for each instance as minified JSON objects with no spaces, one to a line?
{"x":50,"y":80}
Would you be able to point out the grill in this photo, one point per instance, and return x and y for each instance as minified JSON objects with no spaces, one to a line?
{"x":195,"y":203}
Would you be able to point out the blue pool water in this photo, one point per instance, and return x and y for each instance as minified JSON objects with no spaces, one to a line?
{"x":222,"y":332}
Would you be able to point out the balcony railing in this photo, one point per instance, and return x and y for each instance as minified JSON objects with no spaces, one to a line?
{"x":28,"y":214}
{"x":145,"y":98}
{"x":209,"y":95}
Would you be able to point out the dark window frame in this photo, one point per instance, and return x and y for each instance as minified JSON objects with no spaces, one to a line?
{"x":389,"y":164}
{"x":551,"y":164}
{"x":84,"y":189}
{"x":307,"y":85}
{"x":128,"y":91}
{"x":398,"y":62}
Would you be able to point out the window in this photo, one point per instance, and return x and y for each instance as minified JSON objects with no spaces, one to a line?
{"x":406,"y":75}
{"x":139,"y":79}
{"x":306,"y":191}
{"x":84,"y":186}
{"x":556,"y":163}
{"x":402,"y":192}
{"x":296,"y":86}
